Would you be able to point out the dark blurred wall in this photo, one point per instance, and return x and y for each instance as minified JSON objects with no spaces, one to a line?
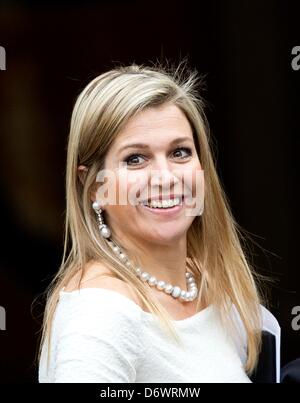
{"x":243,"y":47}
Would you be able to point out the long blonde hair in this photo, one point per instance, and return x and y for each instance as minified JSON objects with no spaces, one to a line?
{"x":214,"y":251}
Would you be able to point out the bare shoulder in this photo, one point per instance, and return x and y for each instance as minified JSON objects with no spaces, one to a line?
{"x":97,"y":275}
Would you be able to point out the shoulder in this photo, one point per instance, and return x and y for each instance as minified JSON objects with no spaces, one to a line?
{"x":94,"y":301}
{"x":97,"y":275}
{"x":269,"y":322}
{"x":96,"y":330}
{"x":271,"y":337}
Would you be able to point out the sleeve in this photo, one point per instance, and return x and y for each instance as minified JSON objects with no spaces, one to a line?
{"x":269,"y":360}
{"x":272,"y":327}
{"x":98,"y":340}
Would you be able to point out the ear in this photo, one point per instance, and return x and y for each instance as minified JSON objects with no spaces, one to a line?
{"x":82,"y":171}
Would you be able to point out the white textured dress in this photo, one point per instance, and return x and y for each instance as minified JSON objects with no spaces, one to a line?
{"x":99,"y":335}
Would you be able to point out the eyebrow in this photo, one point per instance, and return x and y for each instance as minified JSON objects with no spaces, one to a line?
{"x":144,"y":146}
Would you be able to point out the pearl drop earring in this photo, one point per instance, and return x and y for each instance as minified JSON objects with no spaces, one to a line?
{"x":104,"y":230}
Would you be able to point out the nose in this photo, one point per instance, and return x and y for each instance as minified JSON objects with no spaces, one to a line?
{"x":162,"y":176}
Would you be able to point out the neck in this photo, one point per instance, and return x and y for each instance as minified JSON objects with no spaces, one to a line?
{"x":165,"y":262}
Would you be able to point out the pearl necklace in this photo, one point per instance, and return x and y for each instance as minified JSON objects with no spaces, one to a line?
{"x":175,"y":291}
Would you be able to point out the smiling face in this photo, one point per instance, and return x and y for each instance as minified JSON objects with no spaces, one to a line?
{"x":163,"y":166}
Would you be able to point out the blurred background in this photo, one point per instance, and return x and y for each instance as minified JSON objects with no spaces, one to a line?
{"x":244,"y":48}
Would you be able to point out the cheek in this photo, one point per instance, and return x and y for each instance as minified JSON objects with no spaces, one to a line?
{"x":198,"y":176}
{"x":136,"y":184}
{"x":198,"y":190}
{"x":129,"y":186}
{"x":191,"y":177}
{"x":119,"y":213}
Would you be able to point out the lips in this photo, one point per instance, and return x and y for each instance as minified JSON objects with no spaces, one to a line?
{"x":169,"y":212}
{"x":161,"y":198}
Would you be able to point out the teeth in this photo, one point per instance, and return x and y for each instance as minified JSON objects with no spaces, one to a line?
{"x":164,"y":203}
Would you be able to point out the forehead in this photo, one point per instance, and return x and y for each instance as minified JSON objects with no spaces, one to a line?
{"x":154,"y":124}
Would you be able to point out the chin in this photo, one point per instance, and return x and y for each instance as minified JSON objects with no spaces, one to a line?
{"x":165,"y":237}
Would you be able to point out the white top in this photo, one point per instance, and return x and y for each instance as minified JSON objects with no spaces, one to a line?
{"x":99,"y":335}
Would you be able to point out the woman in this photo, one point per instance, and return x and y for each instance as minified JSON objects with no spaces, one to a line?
{"x":155,"y":287}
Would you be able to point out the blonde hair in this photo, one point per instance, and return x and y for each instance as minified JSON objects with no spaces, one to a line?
{"x":215,"y":254}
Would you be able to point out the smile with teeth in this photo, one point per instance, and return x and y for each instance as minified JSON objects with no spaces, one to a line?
{"x":167,"y":203}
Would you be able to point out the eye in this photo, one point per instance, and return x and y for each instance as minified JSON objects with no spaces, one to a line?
{"x":186,"y":150}
{"x":132,"y":158}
